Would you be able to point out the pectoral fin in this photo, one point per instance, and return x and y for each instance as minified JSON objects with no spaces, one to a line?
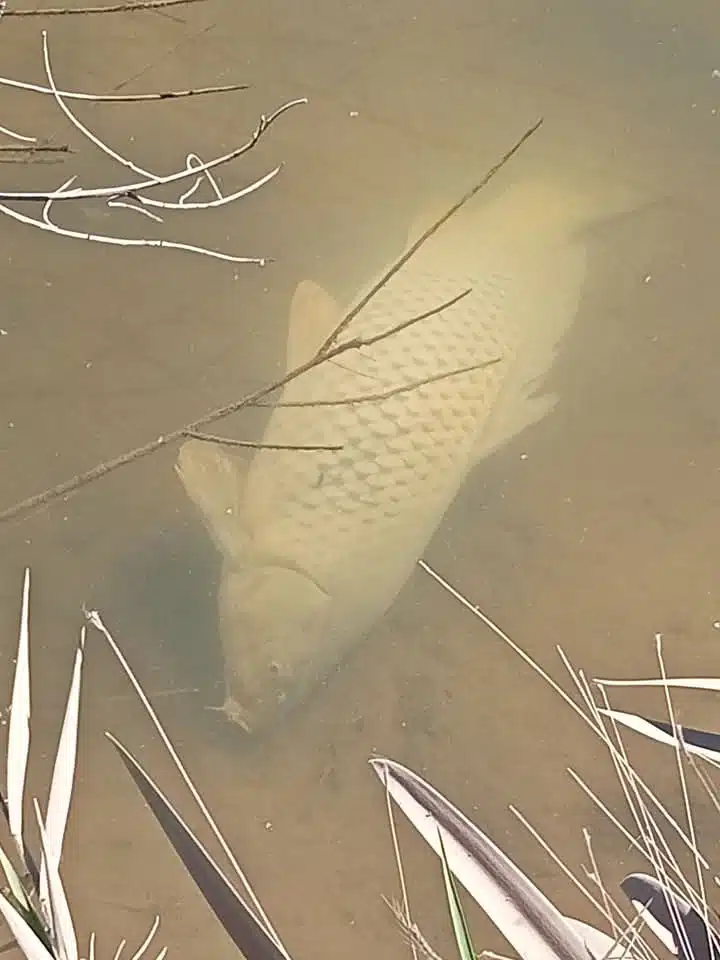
{"x":214,"y":481}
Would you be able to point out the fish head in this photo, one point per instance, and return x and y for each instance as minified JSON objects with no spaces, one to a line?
{"x":276,"y":643}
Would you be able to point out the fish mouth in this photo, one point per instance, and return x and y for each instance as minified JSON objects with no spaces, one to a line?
{"x":288,"y":694}
{"x":235,"y":713}
{"x":262,"y":715}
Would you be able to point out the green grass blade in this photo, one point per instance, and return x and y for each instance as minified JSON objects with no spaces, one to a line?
{"x":27,"y":939}
{"x":457,"y":914}
{"x":16,"y":887}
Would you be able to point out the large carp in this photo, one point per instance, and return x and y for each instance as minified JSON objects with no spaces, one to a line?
{"x":317,"y":545}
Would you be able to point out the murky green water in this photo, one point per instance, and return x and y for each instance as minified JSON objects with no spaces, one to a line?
{"x":593,"y":530}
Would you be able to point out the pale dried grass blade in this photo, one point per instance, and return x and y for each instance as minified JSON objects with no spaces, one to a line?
{"x":683,"y":683}
{"x":63,"y":778}
{"x":57,"y":908}
{"x":19,"y":725}
{"x":699,"y":742}
{"x":673,"y":920}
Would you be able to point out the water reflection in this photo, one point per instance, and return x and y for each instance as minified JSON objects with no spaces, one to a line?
{"x":595,"y":528}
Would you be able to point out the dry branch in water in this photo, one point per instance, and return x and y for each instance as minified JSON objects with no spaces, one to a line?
{"x":252,"y":445}
{"x":127,"y":7}
{"x":137,"y":194}
{"x":328,"y":353}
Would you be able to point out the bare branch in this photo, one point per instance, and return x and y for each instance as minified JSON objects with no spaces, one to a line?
{"x":101,"y":469}
{"x":17,"y":136}
{"x":47,"y":225}
{"x":35,"y":148}
{"x":381,"y":394}
{"x":230,"y":442}
{"x":134,"y":189}
{"x":133,"y":195}
{"x":127,"y":7}
{"x":119,"y":98}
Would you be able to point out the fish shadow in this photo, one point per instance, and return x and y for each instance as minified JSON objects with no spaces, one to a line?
{"x":164,"y":593}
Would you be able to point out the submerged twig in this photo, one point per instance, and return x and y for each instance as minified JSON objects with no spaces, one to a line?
{"x":258,"y":445}
{"x":131,"y":456}
{"x":35,"y":148}
{"x":119,"y":97}
{"x":380,"y":394}
{"x":126,"y":7}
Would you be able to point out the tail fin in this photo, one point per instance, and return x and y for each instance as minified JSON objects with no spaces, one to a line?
{"x":534,"y":212}
{"x":557,"y":206}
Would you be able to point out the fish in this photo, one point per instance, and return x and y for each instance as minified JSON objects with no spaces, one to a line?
{"x":316,"y":545}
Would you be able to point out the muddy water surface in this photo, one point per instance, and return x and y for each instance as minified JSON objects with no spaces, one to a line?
{"x":594,"y":530}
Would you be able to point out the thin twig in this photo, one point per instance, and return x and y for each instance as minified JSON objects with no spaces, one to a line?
{"x":399,"y":864}
{"x":133,"y":189}
{"x":118,"y":97}
{"x":35,"y":148}
{"x":47,"y":225}
{"x":658,"y":853}
{"x":17,"y":136}
{"x":111,"y":8}
{"x":595,"y":875}
{"x":381,"y":394}
{"x":259,"y":445}
{"x":109,"y":466}
{"x":192,"y":164}
{"x":432,"y":312}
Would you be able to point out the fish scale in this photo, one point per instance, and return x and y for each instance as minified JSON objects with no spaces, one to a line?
{"x":391,"y":447}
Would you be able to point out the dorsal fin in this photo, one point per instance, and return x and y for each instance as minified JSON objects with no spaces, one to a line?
{"x":314,"y":315}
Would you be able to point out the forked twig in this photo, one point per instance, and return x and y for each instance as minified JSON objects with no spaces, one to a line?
{"x":135,"y":195}
{"x":101,"y":469}
{"x":424,"y":237}
{"x":135,"y":188}
{"x":251,"y":444}
{"x":35,"y":148}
